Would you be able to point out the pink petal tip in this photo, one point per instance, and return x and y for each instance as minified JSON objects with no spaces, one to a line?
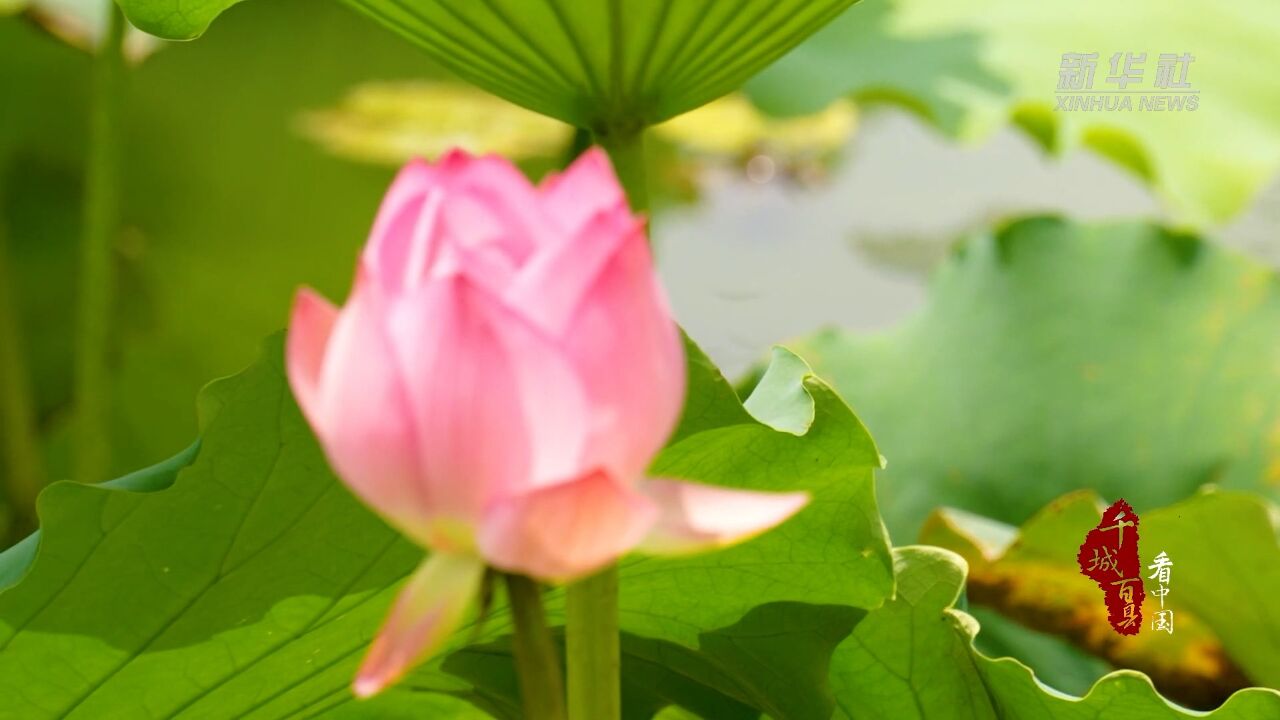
{"x":697,"y":517}
{"x":425,"y":614}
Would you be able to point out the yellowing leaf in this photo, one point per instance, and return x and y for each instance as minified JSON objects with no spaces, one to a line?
{"x":1032,"y":577}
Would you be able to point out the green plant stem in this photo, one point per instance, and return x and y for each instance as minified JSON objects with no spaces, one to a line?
{"x":592,"y":649}
{"x":592,"y":643}
{"x":626,"y":150}
{"x":101,"y":224}
{"x":537,"y":663}
{"x":580,"y":141}
{"x":22,"y":469}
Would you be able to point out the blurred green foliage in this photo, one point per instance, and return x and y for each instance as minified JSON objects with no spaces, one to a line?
{"x":227,"y":208}
{"x":970,"y":67}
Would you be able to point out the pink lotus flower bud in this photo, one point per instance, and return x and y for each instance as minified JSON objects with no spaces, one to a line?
{"x":504,"y":371}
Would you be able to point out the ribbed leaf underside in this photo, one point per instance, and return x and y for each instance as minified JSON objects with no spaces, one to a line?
{"x":609,"y":64}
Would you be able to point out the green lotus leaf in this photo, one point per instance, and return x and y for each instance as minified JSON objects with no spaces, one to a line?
{"x":1122,"y":357}
{"x":243,"y":580}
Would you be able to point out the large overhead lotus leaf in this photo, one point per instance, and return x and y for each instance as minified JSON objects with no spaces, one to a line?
{"x":1053,"y":356}
{"x":250,"y":584}
{"x":1226,"y":570}
{"x":913,"y":659}
{"x":599,"y":64}
{"x":970,"y":66}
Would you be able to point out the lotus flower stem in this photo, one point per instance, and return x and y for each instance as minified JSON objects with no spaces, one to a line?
{"x":537,"y":662}
{"x":592,"y":647}
{"x":594,"y":657}
{"x":101,"y":223}
{"x":626,"y":150}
